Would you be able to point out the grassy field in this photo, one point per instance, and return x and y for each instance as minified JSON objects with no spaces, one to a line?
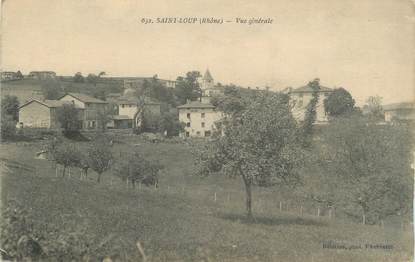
{"x":181,"y":221}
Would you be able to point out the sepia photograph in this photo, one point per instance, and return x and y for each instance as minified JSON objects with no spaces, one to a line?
{"x":196,"y":130}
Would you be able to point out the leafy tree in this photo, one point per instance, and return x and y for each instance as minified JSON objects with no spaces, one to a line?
{"x":137,"y":169}
{"x":170,"y":124}
{"x":259,"y":145}
{"x":67,"y":155}
{"x":374,"y":109}
{"x":78,"y":78}
{"x":311,"y":113}
{"x":51,"y":89}
{"x":68,"y":117}
{"x":10,"y":107}
{"x":339,"y":102}
{"x":187,"y":88}
{"x":369,"y":167}
{"x":100,"y":157}
{"x":8,"y":127}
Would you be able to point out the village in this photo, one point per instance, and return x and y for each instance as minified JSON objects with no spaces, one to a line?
{"x":126,"y":110}
{"x":165,"y":142}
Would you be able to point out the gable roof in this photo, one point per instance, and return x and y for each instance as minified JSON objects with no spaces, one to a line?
{"x":196,"y":104}
{"x":48,"y":103}
{"x":308,"y":89}
{"x":85,"y":98}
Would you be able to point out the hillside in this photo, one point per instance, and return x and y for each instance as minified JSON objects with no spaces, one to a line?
{"x":180,"y":221}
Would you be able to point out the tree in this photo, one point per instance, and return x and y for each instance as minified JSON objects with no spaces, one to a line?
{"x":311,"y":113}
{"x":51,"y":89}
{"x":170,"y":124}
{"x":187,"y":88}
{"x":66,"y":155}
{"x":100,"y":157}
{"x":339,"y":102}
{"x":68,"y":117}
{"x":374,"y":109}
{"x":78,"y":78}
{"x":8,"y":127}
{"x":10,"y":107}
{"x":369,"y":166}
{"x":259,"y":145}
{"x":137,"y":169}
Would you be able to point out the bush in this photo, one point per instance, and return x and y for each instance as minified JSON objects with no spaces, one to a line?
{"x":8,"y":128}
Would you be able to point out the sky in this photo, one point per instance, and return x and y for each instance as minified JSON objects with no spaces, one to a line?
{"x":365,"y":46}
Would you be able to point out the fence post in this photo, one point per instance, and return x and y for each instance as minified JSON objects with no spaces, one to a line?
{"x":127,"y":182}
{"x":168,"y":189}
{"x":280,"y":206}
{"x":318,"y":211}
{"x":364,"y":219}
{"x":229,"y":197}
{"x":330,"y":213}
{"x":301,"y":210}
{"x":215,"y":196}
{"x":69,"y":172}
{"x":56,"y":171}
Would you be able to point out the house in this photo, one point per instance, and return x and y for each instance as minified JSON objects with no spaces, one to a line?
{"x":130,"y":108}
{"x":301,"y":97}
{"x":7,"y":75}
{"x":403,"y":112}
{"x":93,"y":109}
{"x":199,"y":119}
{"x":42,"y":75}
{"x":40,"y":114}
{"x":208,"y":87}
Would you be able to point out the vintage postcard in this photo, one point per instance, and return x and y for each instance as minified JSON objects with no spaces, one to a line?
{"x":192,"y":130}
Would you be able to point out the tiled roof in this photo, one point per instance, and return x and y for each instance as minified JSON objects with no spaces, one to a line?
{"x":196,"y":104}
{"x":49,"y":103}
{"x":86,"y":98}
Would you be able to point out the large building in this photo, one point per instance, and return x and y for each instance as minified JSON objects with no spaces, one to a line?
{"x":41,"y":114}
{"x":130,"y":111}
{"x":301,"y":97}
{"x":42,"y":75}
{"x":93,"y":108}
{"x":402,"y":112}
{"x":199,"y":118}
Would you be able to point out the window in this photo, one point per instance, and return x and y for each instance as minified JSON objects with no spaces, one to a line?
{"x":188,"y":124}
{"x":207,"y":133}
{"x":187,"y":134}
{"x":198,"y":133}
{"x":188,"y":115}
{"x":203,"y":115}
{"x":203,"y":124}
{"x":122,"y":106}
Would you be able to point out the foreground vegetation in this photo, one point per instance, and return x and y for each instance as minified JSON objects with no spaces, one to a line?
{"x":179,"y":221}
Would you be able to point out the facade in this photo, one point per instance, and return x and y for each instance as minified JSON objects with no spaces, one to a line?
{"x":93,"y":108}
{"x":404,"y":112}
{"x":199,"y":118}
{"x":40,"y":114}
{"x":42,"y":75}
{"x":7,"y":75}
{"x":209,"y":89}
{"x":130,"y":108}
{"x":301,"y":97}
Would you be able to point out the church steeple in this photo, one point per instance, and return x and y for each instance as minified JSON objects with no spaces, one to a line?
{"x":207,"y":80}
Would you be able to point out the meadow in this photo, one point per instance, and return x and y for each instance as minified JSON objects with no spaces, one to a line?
{"x":187,"y":218}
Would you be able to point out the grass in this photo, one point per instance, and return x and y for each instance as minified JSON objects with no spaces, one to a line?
{"x":184,"y":225}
